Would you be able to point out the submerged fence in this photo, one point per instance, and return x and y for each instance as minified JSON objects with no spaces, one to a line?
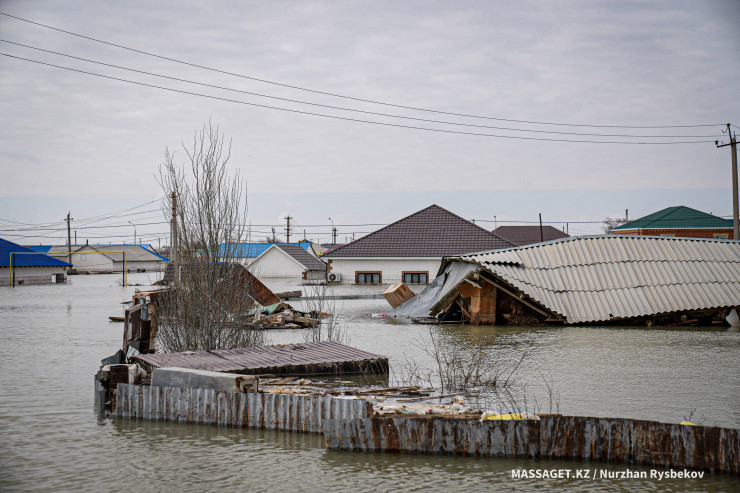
{"x":247,"y":410}
{"x":347,"y":425}
{"x":554,"y":437}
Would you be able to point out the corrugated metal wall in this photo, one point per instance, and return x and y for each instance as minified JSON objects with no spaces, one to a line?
{"x":266,"y":411}
{"x":556,"y":437}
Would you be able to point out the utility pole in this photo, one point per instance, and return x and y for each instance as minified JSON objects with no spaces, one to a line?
{"x":542,"y":235}
{"x":173,"y":242}
{"x":75,"y":236}
{"x":733,"y":150}
{"x":287,"y":229}
{"x":69,"y":238}
{"x":333,"y":233}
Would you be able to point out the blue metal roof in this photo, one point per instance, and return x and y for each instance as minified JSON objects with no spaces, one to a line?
{"x":40,"y":248}
{"x":250,"y":250}
{"x":24,"y":260}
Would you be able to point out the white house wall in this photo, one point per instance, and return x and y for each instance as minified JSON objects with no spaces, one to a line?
{"x":391,"y":269}
{"x":141,"y":265}
{"x":92,"y":262}
{"x":275,"y":263}
{"x":30,"y":275}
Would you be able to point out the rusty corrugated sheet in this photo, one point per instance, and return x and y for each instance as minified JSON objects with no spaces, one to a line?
{"x":246,"y":410}
{"x":554,"y":437}
{"x":265,"y":358}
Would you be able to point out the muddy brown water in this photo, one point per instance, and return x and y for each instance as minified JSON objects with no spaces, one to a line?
{"x":54,"y":336}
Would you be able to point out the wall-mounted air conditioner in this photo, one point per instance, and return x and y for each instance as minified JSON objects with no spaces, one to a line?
{"x":335,"y":277}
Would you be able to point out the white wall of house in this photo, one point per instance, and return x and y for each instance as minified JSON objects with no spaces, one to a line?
{"x":391,"y":269}
{"x":30,"y":275}
{"x":91,"y":261}
{"x":276,"y":263}
{"x":141,"y":266}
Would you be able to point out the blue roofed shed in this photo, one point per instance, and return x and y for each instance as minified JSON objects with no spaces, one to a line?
{"x":28,"y":266}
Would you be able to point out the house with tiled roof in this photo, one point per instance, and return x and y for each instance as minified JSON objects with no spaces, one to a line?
{"x":21,"y":265}
{"x":410,"y":250}
{"x":679,"y":221}
{"x":526,"y":235}
{"x":288,"y":262}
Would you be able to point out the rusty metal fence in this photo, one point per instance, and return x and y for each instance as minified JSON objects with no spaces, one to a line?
{"x":554,"y":437}
{"x":248,"y":410}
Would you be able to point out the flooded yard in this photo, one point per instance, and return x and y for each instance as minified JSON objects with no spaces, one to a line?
{"x":55,"y":335}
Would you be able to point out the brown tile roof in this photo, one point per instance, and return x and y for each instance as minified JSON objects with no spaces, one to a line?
{"x":431,"y":232}
{"x":306,"y":259}
{"x":526,"y":235}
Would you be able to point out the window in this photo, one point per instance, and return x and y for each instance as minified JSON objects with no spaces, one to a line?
{"x":367,"y":277}
{"x":720,"y":236}
{"x":416,"y":277}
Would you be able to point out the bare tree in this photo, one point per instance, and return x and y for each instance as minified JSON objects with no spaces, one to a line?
{"x":319,"y":304}
{"x":612,"y":222}
{"x":209,"y":305}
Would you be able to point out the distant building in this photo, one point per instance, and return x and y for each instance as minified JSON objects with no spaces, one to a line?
{"x":97,"y":259}
{"x":679,"y":221}
{"x":288,"y":262}
{"x":409,"y":250}
{"x":29,"y":267}
{"x":526,"y":235}
{"x":246,"y":253}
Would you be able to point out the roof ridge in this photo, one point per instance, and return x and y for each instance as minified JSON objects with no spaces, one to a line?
{"x":434,"y":207}
{"x":334,"y":250}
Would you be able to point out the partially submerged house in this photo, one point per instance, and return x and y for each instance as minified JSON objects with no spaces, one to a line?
{"x":679,"y":221}
{"x":111,"y":258}
{"x":288,"y":262}
{"x":588,"y":280}
{"x":409,"y":250}
{"x":526,"y":235}
{"x":21,"y":265}
{"x":246,"y":253}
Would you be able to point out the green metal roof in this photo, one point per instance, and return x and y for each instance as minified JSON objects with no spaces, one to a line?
{"x":678,"y":217}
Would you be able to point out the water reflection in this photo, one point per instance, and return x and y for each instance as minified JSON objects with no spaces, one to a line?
{"x":54,"y":337}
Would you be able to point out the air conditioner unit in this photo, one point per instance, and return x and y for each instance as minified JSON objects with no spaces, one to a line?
{"x":335,"y":277}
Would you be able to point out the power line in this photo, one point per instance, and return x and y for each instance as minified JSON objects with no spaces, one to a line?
{"x":396,"y":125}
{"x":374,"y":113}
{"x":326,"y":93}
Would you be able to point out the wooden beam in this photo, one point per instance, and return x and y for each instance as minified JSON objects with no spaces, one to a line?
{"x":517,"y":297}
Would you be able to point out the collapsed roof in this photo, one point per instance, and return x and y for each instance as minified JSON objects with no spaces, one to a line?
{"x":598,"y":278}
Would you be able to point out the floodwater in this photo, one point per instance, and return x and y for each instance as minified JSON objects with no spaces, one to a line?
{"x":53,"y":337}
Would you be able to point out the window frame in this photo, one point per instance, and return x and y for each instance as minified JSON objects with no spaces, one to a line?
{"x":371,"y":272}
{"x":411,"y":272}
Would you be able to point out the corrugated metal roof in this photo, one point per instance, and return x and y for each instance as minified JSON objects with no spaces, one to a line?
{"x":133,"y":252}
{"x":678,"y":217}
{"x":597,"y":278}
{"x":431,"y":232}
{"x":26,"y":260}
{"x":261,"y":357}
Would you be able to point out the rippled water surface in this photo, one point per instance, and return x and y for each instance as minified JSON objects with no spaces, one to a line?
{"x":54,"y":336}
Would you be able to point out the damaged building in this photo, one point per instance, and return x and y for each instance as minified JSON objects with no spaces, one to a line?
{"x":621,"y":280}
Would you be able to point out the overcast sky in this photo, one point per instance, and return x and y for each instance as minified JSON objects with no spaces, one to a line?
{"x":91,"y":145}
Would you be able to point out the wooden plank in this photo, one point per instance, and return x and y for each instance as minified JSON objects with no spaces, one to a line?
{"x":467,"y":290}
